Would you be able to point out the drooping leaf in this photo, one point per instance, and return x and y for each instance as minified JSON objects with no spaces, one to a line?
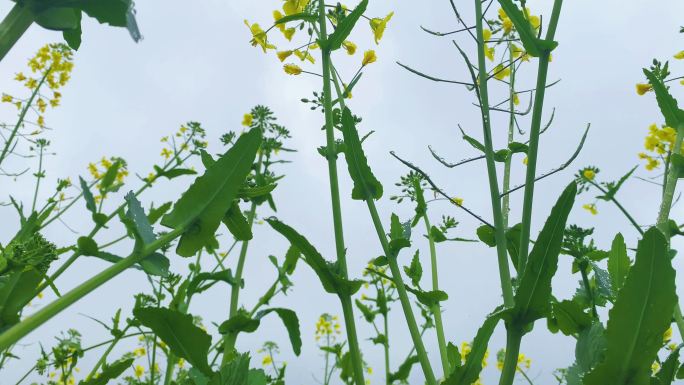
{"x":174,"y":172}
{"x":570,"y":317}
{"x":200,"y":210}
{"x":533,"y":298}
{"x":327,"y":272}
{"x":237,"y":224}
{"x":485,"y":233}
{"x":156,"y":213}
{"x":87,"y":246}
{"x":470,"y":371}
{"x":437,"y":235}
{"x":291,"y":322}
{"x":180,"y":334}
{"x":618,"y":263}
{"x":199,"y":283}
{"x":345,"y":27}
{"x":517,"y":147}
{"x":367,"y":312}
{"x":366,"y":186}
{"x":641,"y":314}
{"x":474,"y":142}
{"x":109,"y":372}
{"x":404,"y":369}
{"x":240,"y":323}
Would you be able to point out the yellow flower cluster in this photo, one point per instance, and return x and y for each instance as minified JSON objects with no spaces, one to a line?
{"x":591,"y":207}
{"x":659,"y":141}
{"x":327,"y":325}
{"x":52,"y":66}
{"x":259,"y":38}
{"x":98,"y":172}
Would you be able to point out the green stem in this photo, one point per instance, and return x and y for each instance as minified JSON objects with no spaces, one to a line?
{"x":39,"y":176}
{"x":22,"y":115}
{"x":403,"y":296}
{"x":590,"y":292}
{"x":347,"y":309}
{"x":513,"y":339}
{"x":505,"y":201}
{"x":28,"y":324}
{"x":620,"y":207}
{"x":533,"y":146}
{"x":170,"y":364}
{"x":13,"y":27}
{"x":436,"y":310}
{"x":499,"y":230}
{"x":104,"y":356}
{"x":386,"y":349}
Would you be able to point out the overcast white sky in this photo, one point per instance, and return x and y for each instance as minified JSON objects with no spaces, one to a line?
{"x":195,"y":63}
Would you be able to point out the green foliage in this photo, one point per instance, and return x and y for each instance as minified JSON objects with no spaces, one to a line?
{"x":366,"y":186}
{"x":202,"y":207}
{"x":344,"y":27}
{"x":533,"y":45}
{"x":673,"y":115}
{"x":470,"y":371}
{"x":640,"y":316}
{"x":328,"y":273}
{"x":109,"y":372}
{"x":533,"y":298}
{"x":179,"y":332}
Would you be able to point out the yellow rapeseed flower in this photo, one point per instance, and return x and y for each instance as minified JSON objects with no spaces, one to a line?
{"x":139,"y":371}
{"x":349,"y":46}
{"x":304,"y":56}
{"x":679,"y":55}
{"x":487,"y":34}
{"x":369,"y":57}
{"x":247,"y":120}
{"x":292,"y":69}
{"x":378,"y":26}
{"x":282,"y":55}
{"x":589,"y":174}
{"x":501,"y":73}
{"x":457,"y":200}
{"x":591,"y":208}
{"x":642,"y":88}
{"x":489,"y":53}
{"x":259,"y":37}
{"x":166,"y":153}
{"x":6,"y":98}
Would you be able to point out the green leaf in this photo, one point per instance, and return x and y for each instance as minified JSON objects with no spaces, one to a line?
{"x":297,"y":17}
{"x":513,"y":243}
{"x":174,"y":172}
{"x":16,"y":291}
{"x":345,"y":27}
{"x":88,"y":196}
{"x":156,"y":213}
{"x":179,"y":332}
{"x":570,"y":317}
{"x":154,"y":264}
{"x":87,"y":246}
{"x":590,"y":348}
{"x":533,"y":298}
{"x":237,"y":224}
{"x":367,"y":312}
{"x":327,"y":273}
{"x":291,"y":322}
{"x":474,"y":142}
{"x":517,"y":147}
{"x":453,"y":355}
{"x":673,"y":115}
{"x":668,"y":370}
{"x":59,"y":18}
{"x":234,"y":372}
{"x":400,"y":235}
{"x":366,"y":186}
{"x":109,"y":372}
{"x":470,"y":371}
{"x":200,"y":210}
{"x":641,"y":314}
{"x":502,"y":155}
{"x":404,"y":370}
{"x":197,"y":284}
{"x":612,"y":188}
{"x":143,"y":230}
{"x":533,"y":45}
{"x":421,"y":206}
{"x":256,"y":192}
{"x":602,"y":279}
{"x":428,"y":298}
{"x":415,"y":270}
{"x":485,"y":233}
{"x":437,"y":235}
{"x":239,"y":323}
{"x":110,"y":176}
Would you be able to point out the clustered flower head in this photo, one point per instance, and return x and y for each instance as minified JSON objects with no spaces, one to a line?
{"x":51,"y":67}
{"x":327,"y":326}
{"x":659,"y":142}
{"x":289,"y":28}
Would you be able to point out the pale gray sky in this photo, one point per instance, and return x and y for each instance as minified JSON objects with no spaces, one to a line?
{"x":195,"y":63}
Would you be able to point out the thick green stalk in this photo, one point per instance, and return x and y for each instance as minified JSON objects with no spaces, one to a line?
{"x":403,"y":296}
{"x":347,"y":309}
{"x":499,"y":230}
{"x":513,"y":339}
{"x":170,"y":364}
{"x":13,"y":27}
{"x":506,"y":200}
{"x":533,"y":147}
{"x":18,"y":331}
{"x":436,"y":310}
{"x":665,"y":207}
